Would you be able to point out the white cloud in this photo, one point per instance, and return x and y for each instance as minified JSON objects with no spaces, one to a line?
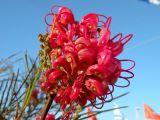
{"x":156,"y":2}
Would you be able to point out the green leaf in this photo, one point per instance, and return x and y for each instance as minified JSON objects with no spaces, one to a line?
{"x":26,"y":60}
{"x":31,"y":88}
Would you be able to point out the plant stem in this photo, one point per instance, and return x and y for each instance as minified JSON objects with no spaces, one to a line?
{"x":47,"y":105}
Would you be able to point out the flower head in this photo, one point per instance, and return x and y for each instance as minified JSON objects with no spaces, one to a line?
{"x":83,"y":59}
{"x":48,"y":117}
{"x":34,"y":97}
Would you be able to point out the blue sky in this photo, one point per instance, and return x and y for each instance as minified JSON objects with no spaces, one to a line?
{"x":22,"y":20}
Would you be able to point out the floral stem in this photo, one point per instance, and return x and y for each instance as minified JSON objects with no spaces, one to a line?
{"x":47,"y":106}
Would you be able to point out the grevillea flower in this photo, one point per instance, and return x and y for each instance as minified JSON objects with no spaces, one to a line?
{"x":83,"y":59}
{"x":34,"y":97}
{"x":48,"y":117}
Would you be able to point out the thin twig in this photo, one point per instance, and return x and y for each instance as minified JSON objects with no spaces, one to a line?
{"x":26,"y":77}
{"x":47,"y":106}
{"x":8,"y":92}
{"x":3,"y":94}
{"x":99,"y":112}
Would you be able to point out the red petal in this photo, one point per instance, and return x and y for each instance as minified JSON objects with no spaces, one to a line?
{"x":72,"y":59}
{"x":96,"y":86}
{"x":66,"y":16}
{"x":114,"y":66}
{"x":90,"y":20}
{"x":97,"y":70}
{"x":35,"y":93}
{"x":61,"y":62}
{"x":61,"y":39}
{"x":116,"y":48}
{"x":82,"y":40}
{"x":104,"y":56}
{"x":55,"y":76}
{"x":68,"y":47}
{"x":43,"y":85}
{"x":50,"y":117}
{"x":104,"y":37}
{"x":52,"y":43}
{"x":75,"y":91}
{"x":90,"y":16}
{"x":115,"y":70}
{"x":48,"y":72}
{"x":86,"y":56}
{"x":55,"y":53}
{"x":65,"y":97}
{"x":59,"y":95}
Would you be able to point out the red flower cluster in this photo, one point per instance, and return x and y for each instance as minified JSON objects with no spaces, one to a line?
{"x":48,"y":117}
{"x":34,"y":97}
{"x":83,"y":57}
